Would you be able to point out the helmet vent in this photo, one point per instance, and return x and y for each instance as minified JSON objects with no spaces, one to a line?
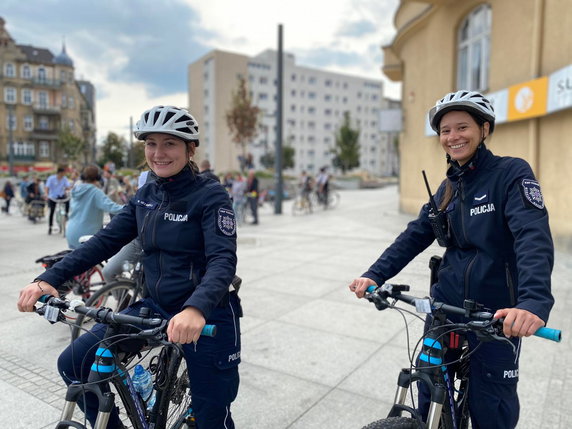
{"x":168,"y":116}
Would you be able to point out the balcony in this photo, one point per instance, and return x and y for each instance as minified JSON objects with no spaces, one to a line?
{"x":50,"y":83}
{"x":46,"y":109}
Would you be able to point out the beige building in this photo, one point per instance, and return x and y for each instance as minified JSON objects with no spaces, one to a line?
{"x":39,"y":96}
{"x":519,"y":53}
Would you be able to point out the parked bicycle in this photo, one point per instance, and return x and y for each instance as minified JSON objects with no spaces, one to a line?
{"x":448,"y":383}
{"x":172,"y":408}
{"x":82,"y":286}
{"x":116,"y":295}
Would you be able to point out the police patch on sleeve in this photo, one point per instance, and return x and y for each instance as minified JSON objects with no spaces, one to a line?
{"x":532,"y":193}
{"x":226,"y":222}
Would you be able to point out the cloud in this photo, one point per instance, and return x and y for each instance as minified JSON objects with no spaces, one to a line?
{"x":142,"y":41}
{"x":357,"y":28}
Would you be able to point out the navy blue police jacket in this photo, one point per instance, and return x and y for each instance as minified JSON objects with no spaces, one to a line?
{"x":501,"y":253}
{"x":188,"y":233}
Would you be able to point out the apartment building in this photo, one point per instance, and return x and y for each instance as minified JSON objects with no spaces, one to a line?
{"x":314,"y":102}
{"x":39,"y":96}
{"x":514,"y":51}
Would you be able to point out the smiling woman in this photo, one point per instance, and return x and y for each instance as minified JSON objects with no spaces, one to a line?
{"x":187,"y":230}
{"x":499,"y":250}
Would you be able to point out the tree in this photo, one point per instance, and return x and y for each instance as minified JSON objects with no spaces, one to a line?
{"x":242,"y":117}
{"x":347,"y":147}
{"x":113,"y":150}
{"x":288,"y":152}
{"x":69,"y":145}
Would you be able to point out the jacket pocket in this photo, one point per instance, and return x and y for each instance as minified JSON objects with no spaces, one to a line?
{"x":510,"y":285}
{"x":227,"y":358}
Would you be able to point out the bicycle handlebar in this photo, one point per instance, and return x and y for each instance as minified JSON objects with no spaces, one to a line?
{"x":105,"y":315}
{"x":379,"y":294}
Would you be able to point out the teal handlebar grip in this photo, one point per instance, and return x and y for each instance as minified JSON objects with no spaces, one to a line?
{"x":549,"y":334}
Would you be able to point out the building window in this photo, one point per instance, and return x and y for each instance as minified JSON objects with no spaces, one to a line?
{"x":10,"y":95}
{"x":44,"y":149}
{"x":311,"y":80}
{"x":26,"y":96}
{"x":44,"y":123}
{"x":263,"y":80}
{"x":41,"y":74}
{"x":26,"y":72}
{"x":71,"y":102}
{"x":28,"y":123}
{"x":11,"y":122}
{"x":9,"y":70}
{"x":43,"y":99}
{"x":64,"y":101}
{"x":473,"y":50}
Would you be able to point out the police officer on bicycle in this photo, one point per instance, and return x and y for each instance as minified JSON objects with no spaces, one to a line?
{"x":187,"y":230}
{"x":499,"y":249}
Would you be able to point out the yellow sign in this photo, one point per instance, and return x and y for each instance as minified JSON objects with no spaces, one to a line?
{"x":528,"y":99}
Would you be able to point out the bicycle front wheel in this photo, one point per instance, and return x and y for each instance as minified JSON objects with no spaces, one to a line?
{"x":175,"y":399}
{"x":116,"y":295}
{"x":333,"y":200}
{"x":394,"y":423}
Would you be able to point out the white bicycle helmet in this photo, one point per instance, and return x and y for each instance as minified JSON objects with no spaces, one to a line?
{"x":167,"y":120}
{"x":469,"y":101}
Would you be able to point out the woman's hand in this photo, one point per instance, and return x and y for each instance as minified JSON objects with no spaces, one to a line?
{"x":518,"y":322}
{"x":360,"y":285}
{"x":31,"y":293}
{"x":185,"y":327}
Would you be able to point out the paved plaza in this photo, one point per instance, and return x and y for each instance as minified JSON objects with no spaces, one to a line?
{"x":313,"y":355}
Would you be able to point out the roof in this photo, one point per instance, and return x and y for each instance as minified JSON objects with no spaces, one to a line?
{"x":37,"y":55}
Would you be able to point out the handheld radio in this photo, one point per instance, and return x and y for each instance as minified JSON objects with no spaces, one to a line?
{"x":437,"y":218}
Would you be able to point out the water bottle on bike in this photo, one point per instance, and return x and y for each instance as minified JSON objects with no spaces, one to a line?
{"x":143,"y":383}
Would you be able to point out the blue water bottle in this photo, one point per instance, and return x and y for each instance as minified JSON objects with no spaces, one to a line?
{"x":143,"y":383}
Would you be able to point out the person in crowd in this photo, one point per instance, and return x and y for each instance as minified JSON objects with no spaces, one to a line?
{"x":56,"y":187}
{"x":35,"y":199}
{"x":238,"y":196}
{"x":306,"y":185}
{"x":252,"y":194}
{"x":207,"y":171}
{"x":322,"y":186}
{"x":187,"y":229}
{"x":227,"y":182}
{"x":499,"y":250}
{"x":8,"y":195}
{"x":23,"y":187}
{"x":88,"y":205}
{"x":111,"y":186}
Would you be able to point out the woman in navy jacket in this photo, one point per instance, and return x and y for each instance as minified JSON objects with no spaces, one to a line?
{"x":499,"y":249}
{"x":188,"y":233}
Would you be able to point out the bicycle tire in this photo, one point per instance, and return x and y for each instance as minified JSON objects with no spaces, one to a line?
{"x":394,"y":423}
{"x":119,"y":291}
{"x":175,"y":400}
{"x":298,"y":206}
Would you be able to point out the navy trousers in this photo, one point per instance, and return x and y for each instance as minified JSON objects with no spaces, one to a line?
{"x":493,"y":377}
{"x":212,"y":366}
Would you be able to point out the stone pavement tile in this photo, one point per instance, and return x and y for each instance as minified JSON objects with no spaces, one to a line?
{"x":272,"y":399}
{"x":345,"y":319}
{"x":268,"y":304}
{"x":297,"y":283}
{"x":340,"y":410}
{"x":377,"y":376}
{"x":306,"y":353}
{"x":16,"y":416}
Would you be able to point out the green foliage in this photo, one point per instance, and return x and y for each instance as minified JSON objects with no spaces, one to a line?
{"x":138,"y":154}
{"x":113,"y":149}
{"x":242,"y":117}
{"x":347,"y":146}
{"x":288,"y":152}
{"x":69,"y":145}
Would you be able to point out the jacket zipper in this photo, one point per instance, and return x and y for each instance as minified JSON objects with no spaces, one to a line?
{"x":154,"y":236}
{"x":509,"y":284}
{"x":467,"y":274}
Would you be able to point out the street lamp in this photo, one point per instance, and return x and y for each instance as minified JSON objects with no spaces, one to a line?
{"x":10,"y":139}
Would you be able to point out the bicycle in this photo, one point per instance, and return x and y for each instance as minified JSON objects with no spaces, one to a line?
{"x":84,"y":285}
{"x":333,"y":199}
{"x":172,"y":408}
{"x":447,"y":382}
{"x":116,"y":295}
{"x":302,"y":204}
{"x":60,"y":212}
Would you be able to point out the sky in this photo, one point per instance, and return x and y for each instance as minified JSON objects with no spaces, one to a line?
{"x":137,"y":52}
